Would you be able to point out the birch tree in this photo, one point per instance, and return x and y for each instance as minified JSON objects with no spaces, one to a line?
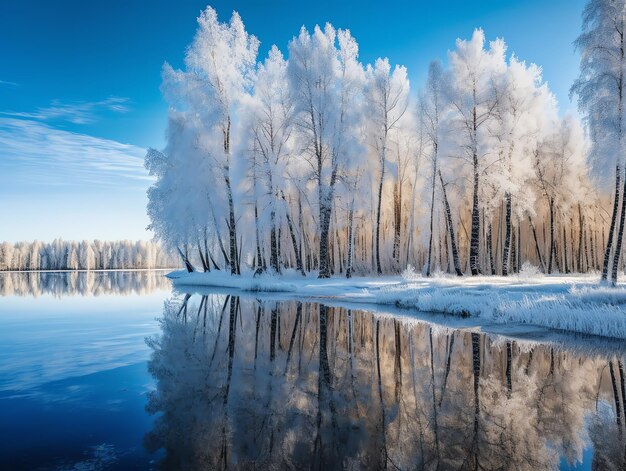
{"x":600,"y":91}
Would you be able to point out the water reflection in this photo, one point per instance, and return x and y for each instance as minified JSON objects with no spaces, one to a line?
{"x":71,"y":283}
{"x":245,"y":383}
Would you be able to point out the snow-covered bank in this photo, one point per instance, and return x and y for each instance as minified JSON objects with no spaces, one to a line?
{"x":574,"y":303}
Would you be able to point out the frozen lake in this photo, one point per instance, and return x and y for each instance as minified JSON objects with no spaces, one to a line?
{"x":113,"y":370}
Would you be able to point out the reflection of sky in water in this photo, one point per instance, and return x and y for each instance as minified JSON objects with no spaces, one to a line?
{"x":73,"y":376}
{"x":50,"y":338}
{"x":273,"y":384}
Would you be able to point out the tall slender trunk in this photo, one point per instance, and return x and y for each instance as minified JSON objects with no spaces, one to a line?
{"x":475,"y":232}
{"x":453,"y":245}
{"x":397,"y":218}
{"x":551,"y":255}
{"x":593,"y":251}
{"x":490,"y":250}
{"x":294,"y":239}
{"x":259,"y":258}
{"x":620,"y":237}
{"x":324,"y":262}
{"x":618,"y":175}
{"x":532,"y":226}
{"x":205,"y":264}
{"x":232,"y":227}
{"x":350,"y":240}
{"x":580,"y":240}
{"x":507,"y":237}
{"x":378,"y":213}
{"x":618,"y":409}
{"x":513,"y":252}
{"x":565,"y":250}
{"x":432,"y":212}
{"x":274,"y":264}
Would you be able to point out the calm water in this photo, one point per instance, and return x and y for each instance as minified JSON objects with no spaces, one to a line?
{"x":115,"y":371}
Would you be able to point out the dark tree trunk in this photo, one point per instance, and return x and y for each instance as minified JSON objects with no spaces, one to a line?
{"x":618,"y":409}
{"x":186,"y":261}
{"x":397,"y":221}
{"x":565,"y":250}
{"x":552,"y":248}
{"x":532,"y":226}
{"x":203,"y":259}
{"x":294,"y":241}
{"x":620,"y":237}
{"x":609,"y":242}
{"x":350,"y":241}
{"x":325,"y":213}
{"x":490,"y":250}
{"x":455,"y":252}
{"x":432,"y":216}
{"x":594,"y":265}
{"x":378,"y":217}
{"x":513,"y":252}
{"x":273,"y":243}
{"x":507,"y":236}
{"x":509,"y":360}
{"x":475,"y":232}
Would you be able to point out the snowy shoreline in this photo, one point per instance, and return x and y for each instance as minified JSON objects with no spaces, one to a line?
{"x":575,"y":303}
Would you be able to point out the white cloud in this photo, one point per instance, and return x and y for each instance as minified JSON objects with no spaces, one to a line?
{"x":80,"y":112}
{"x":10,"y":84}
{"x":32,"y":152}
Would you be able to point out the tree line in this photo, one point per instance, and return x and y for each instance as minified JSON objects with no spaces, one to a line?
{"x":317,"y":162}
{"x":86,"y":255}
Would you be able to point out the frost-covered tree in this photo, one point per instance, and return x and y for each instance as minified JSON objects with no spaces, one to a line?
{"x":432,"y":107}
{"x":387,"y":95}
{"x":272,"y":129}
{"x":474,"y":90}
{"x":600,"y":91}
{"x":210,"y":92}
{"x":325,"y":77}
{"x":526,"y":112}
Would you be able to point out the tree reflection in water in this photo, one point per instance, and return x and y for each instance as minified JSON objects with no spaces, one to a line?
{"x":83,"y":283}
{"x":244,"y":383}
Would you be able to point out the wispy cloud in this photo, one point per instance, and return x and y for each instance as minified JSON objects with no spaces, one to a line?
{"x":10,"y":84}
{"x":79,"y":112}
{"x":32,"y":152}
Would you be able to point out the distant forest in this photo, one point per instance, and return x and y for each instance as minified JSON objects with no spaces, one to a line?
{"x":85,"y":255}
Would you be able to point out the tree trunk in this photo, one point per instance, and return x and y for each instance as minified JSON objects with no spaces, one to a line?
{"x":513,"y":252}
{"x":507,"y":237}
{"x":325,"y":213}
{"x":273,"y":243}
{"x":378,"y":215}
{"x":580,"y":240}
{"x":551,"y":255}
{"x":609,"y":242}
{"x":475,"y":232}
{"x":432,"y":212}
{"x":294,"y":240}
{"x":205,"y":264}
{"x":618,"y":409}
{"x":490,"y":250}
{"x":532,"y":226}
{"x":350,"y":240}
{"x":455,"y":252}
{"x":397,"y":221}
{"x":620,"y":236}
{"x":565,"y":250}
{"x":259,"y":258}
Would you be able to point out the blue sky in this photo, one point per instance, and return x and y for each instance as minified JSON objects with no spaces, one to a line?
{"x":80,"y":100}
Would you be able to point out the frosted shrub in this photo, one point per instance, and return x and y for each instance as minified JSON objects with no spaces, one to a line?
{"x":529,"y":270}
{"x":409,"y":273}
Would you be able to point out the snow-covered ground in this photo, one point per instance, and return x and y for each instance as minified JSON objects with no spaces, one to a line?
{"x":576,"y":303}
